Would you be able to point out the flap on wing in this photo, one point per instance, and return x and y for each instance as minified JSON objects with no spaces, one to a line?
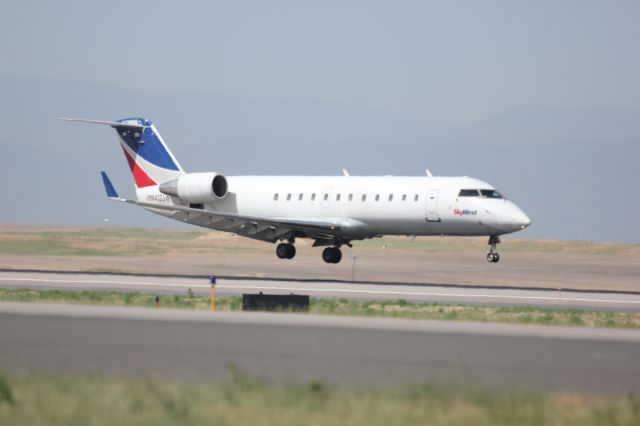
{"x":329,"y":228}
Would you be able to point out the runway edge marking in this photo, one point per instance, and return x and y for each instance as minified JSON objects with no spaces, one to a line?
{"x":328,"y":290}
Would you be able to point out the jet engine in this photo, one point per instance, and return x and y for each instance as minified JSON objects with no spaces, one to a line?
{"x":196,"y":187}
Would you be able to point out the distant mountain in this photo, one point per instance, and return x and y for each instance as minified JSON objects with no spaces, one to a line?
{"x":573,"y":170}
{"x":533,"y":124}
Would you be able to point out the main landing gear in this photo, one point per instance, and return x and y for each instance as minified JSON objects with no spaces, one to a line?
{"x":332,"y":255}
{"x":286,"y":251}
{"x":493,"y":256}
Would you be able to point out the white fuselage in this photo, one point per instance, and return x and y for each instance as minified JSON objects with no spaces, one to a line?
{"x":331,"y":210}
{"x":368,"y":206}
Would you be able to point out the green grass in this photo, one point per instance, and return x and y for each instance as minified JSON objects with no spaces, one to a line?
{"x":242,"y":400}
{"x":388,"y":309}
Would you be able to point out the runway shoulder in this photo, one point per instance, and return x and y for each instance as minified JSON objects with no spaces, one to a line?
{"x":425,"y":292}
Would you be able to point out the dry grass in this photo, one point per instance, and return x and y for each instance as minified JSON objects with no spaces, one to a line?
{"x":37,"y":400}
{"x":433,"y":260}
{"x":114,"y":241}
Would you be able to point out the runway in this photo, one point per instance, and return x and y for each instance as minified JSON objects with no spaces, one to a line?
{"x":502,"y":296}
{"x":192,"y":345}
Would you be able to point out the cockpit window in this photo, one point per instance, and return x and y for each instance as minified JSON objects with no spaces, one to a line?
{"x":490,"y":193}
{"x":468,"y":193}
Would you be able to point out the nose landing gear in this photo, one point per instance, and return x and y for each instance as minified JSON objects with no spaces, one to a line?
{"x":286,"y":251}
{"x":332,"y":255}
{"x":493,"y":256}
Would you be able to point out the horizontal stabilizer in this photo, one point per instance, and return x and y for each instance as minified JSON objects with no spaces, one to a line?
{"x":108,"y":186}
{"x":107,"y":123}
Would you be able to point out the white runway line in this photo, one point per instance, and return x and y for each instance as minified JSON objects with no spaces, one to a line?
{"x":332,"y":290}
{"x":133,"y":283}
{"x":408,"y":293}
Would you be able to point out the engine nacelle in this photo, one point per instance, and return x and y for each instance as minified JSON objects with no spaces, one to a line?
{"x":196,"y":187}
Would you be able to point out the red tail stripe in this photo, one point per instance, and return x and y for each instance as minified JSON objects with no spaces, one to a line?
{"x":142,"y":179}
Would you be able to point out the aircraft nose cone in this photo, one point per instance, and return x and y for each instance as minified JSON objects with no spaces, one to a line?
{"x":521,"y":220}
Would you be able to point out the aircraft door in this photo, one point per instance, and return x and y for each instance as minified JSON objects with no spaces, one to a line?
{"x":432,"y":205}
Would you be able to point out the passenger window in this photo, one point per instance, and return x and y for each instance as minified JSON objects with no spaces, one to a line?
{"x":300,"y":197}
{"x":404,"y":197}
{"x":468,"y":193}
{"x":338,"y":197}
{"x":364,"y":197}
{"x":326,"y":197}
{"x":313,"y":196}
{"x":350,"y":197}
{"x":377,"y":197}
{"x":390,"y":197}
{"x":288,"y":197}
{"x":275,"y":197}
{"x":415,"y":197}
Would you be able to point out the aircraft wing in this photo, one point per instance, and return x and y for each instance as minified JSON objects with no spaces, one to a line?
{"x":262,"y":228}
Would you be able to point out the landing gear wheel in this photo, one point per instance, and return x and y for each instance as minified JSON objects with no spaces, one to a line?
{"x":281,"y":250}
{"x":291,"y":253}
{"x":327,"y":255}
{"x":332,"y":255}
{"x":285,"y":251}
{"x":337,"y":255}
{"x":493,"y":257}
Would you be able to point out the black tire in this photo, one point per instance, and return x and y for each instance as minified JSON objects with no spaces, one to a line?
{"x":282,"y":250}
{"x":327,"y":254}
{"x":291,"y":251}
{"x":496,"y":258}
{"x":337,"y":255}
{"x":490,"y":257}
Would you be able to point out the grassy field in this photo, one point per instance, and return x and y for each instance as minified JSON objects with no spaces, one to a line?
{"x":242,"y":400}
{"x":115,"y":241}
{"x":389,"y":309}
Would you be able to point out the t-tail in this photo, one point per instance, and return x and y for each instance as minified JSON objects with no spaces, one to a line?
{"x":150,"y":161}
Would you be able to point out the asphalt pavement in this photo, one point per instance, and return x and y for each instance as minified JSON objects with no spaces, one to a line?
{"x":200,"y":346}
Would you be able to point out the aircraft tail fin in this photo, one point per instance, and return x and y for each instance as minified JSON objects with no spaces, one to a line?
{"x":149,"y":159}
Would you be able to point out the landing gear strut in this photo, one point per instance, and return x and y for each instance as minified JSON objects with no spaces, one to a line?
{"x":493,"y":256}
{"x":332,"y":255}
{"x":286,"y":251}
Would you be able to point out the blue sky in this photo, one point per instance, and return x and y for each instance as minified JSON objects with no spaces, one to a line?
{"x":458,"y":61}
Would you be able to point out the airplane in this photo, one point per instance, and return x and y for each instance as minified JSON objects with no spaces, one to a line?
{"x":333,"y":211}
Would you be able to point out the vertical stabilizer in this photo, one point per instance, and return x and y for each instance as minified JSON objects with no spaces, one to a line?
{"x":149,"y":159}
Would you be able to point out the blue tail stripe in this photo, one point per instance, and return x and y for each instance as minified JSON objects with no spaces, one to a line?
{"x":147,"y":144}
{"x":108,"y":186}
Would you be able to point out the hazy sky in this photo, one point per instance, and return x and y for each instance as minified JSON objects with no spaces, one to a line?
{"x":450,"y":60}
